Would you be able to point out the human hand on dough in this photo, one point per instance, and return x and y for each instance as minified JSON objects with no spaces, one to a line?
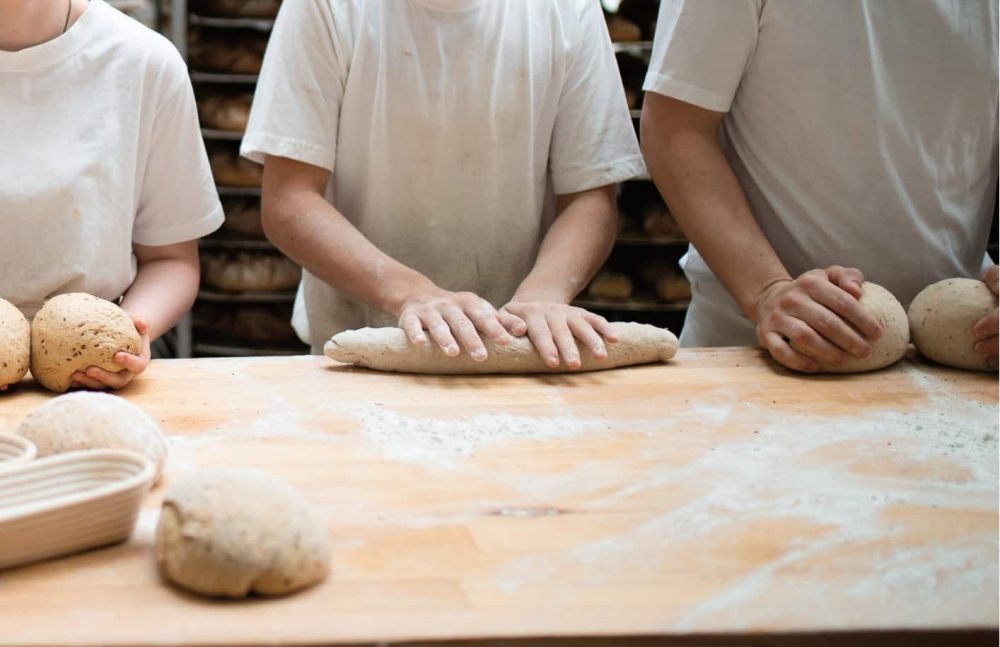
{"x":454,"y":318}
{"x":985,"y":329}
{"x":132,"y":365}
{"x":815,"y":317}
{"x":555,"y":327}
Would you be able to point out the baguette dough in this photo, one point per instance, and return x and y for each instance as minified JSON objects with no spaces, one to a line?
{"x":75,"y":331}
{"x":15,"y":344}
{"x":234,"y":532}
{"x":895,"y":339}
{"x":79,"y":421}
{"x":388,"y":349}
{"x":942,"y":317}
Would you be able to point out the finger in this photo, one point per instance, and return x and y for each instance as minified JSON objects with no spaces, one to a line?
{"x":849,"y":279}
{"x":805,"y":340}
{"x":564,"y":340}
{"x":82,"y":379}
{"x":130,"y":362}
{"x":514,"y":324}
{"x":441,"y":333}
{"x":414,"y":329}
{"x":787,"y":356}
{"x":987,"y":326}
{"x":991,"y":277}
{"x":584,"y":331}
{"x":541,"y":339}
{"x":988,"y":348}
{"x":830,"y":328}
{"x":845,"y":306}
{"x":602,"y":326}
{"x":3,"y":387}
{"x":107,"y":378}
{"x":141,"y":325}
{"x":465,"y":331}
{"x":487,"y":321}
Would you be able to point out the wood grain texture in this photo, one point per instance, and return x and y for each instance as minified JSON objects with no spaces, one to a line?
{"x":715,"y":496}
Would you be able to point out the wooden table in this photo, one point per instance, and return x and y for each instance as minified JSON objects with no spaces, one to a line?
{"x":715,"y":496}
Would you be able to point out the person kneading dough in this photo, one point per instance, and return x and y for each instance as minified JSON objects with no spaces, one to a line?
{"x":106,"y":199}
{"x":471,"y":197}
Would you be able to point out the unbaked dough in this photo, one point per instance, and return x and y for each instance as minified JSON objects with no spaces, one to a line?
{"x":895,"y":339}
{"x":388,"y":349}
{"x":93,"y":421}
{"x":15,"y":344}
{"x":233,"y":532}
{"x":942,"y":317}
{"x":75,"y":331}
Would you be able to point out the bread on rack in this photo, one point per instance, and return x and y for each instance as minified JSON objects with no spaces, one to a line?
{"x":622,"y":30}
{"x":225,"y":111}
{"x":249,"y":323}
{"x":658,"y":223}
{"x":243,"y":218}
{"x":230,"y":169}
{"x":666,"y":281}
{"x":610,"y":285}
{"x":246,"y":271}
{"x":237,"y":8}
{"x":214,"y":51}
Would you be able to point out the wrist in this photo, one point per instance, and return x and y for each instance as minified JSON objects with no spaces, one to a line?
{"x":399,"y":290}
{"x":755,"y":306}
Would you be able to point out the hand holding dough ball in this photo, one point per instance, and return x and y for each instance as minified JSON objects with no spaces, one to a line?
{"x":15,"y":344}
{"x":942,"y":317}
{"x":79,"y":421}
{"x":75,"y":331}
{"x":895,"y":339}
{"x":233,"y":532}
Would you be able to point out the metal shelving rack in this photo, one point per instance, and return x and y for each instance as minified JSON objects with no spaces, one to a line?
{"x":181,"y":21}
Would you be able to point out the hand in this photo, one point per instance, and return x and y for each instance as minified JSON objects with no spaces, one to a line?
{"x":462,"y":315}
{"x":985,"y":329}
{"x":810,"y":318}
{"x":132,"y":365}
{"x":555,"y":327}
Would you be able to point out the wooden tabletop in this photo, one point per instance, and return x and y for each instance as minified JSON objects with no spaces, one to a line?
{"x":716,"y":495}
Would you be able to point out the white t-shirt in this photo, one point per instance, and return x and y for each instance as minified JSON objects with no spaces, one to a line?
{"x":448,"y":126}
{"x":99,"y":149}
{"x":863,"y":132}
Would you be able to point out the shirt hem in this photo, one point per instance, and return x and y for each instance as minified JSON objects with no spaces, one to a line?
{"x":181,"y":233}
{"x":257,"y":146}
{"x":669,"y":86}
{"x":627,"y":168}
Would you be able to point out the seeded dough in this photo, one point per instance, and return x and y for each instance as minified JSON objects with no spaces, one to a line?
{"x":388,"y":349}
{"x":15,"y":344}
{"x":233,"y":532}
{"x":942,"y":317}
{"x":75,"y":331}
{"x":895,"y":339}
{"x":88,"y":420}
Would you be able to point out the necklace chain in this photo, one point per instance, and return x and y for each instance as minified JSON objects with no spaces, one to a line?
{"x":69,"y":10}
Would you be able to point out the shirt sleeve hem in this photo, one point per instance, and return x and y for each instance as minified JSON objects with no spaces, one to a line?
{"x":257,"y":146}
{"x":671,"y":87}
{"x":181,"y":233}
{"x":627,"y":168}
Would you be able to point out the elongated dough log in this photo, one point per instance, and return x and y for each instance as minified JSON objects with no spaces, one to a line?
{"x":388,"y":349}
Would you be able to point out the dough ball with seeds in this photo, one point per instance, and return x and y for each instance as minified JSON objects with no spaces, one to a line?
{"x":75,"y":331}
{"x":942,"y":317}
{"x":15,"y":344}
{"x":235,"y":532}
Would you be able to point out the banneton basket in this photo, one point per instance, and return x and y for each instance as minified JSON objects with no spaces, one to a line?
{"x":15,"y":449}
{"x":70,"y":502}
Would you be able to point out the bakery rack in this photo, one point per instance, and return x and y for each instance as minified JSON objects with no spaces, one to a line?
{"x":192,"y":338}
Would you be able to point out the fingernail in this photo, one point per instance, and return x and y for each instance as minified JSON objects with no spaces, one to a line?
{"x":452,"y":350}
{"x":479,"y":355}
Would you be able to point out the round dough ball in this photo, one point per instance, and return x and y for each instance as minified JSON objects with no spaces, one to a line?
{"x":75,"y":331}
{"x":93,"y":421}
{"x":942,"y":317}
{"x":895,"y":339}
{"x":15,"y":344}
{"x":233,"y":532}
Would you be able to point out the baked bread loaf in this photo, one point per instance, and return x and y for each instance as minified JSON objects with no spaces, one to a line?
{"x":610,"y":285}
{"x":229,"y":169}
{"x":237,"y":8}
{"x":264,"y":324}
{"x":225,"y":112}
{"x":213,"y":52}
{"x":622,"y":30}
{"x":245,"y":271}
{"x":666,"y":281}
{"x":243,"y":218}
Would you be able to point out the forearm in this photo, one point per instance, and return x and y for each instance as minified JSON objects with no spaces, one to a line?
{"x":163,"y":291}
{"x":575,"y":247}
{"x":319,"y":238}
{"x":690,"y":170}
